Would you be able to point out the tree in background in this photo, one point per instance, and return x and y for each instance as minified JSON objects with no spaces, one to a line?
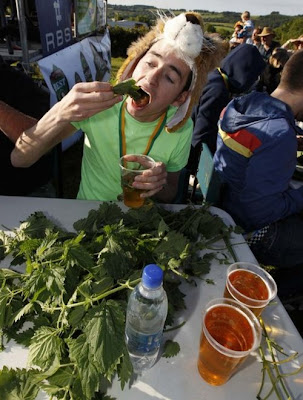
{"x":291,"y":29}
{"x":121,"y":38}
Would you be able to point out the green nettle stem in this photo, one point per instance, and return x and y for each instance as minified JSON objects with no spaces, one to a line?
{"x":230,"y":248}
{"x":270,"y":367}
{"x":175,"y":327}
{"x":279,"y":376}
{"x":122,"y":286}
{"x":1,"y":340}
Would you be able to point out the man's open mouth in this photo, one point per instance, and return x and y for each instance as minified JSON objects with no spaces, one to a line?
{"x":143,"y":98}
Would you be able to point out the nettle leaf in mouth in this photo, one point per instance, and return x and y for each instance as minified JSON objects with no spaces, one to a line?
{"x":143,"y":99}
{"x":130,"y":88}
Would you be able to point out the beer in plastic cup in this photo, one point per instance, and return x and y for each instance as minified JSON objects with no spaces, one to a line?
{"x":230,"y":332}
{"x":251,"y":285}
{"x":132,"y":165}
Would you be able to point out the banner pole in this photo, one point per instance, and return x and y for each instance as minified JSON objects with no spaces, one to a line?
{"x":23,"y":33}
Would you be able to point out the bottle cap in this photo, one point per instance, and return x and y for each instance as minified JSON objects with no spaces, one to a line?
{"x":152,"y":276}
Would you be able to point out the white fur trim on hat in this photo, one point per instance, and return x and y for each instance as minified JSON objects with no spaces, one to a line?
{"x":187,"y":36}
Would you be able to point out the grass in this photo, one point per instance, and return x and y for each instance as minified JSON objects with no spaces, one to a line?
{"x":116,"y":64}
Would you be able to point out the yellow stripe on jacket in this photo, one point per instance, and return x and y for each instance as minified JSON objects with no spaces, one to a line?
{"x":242,"y":142}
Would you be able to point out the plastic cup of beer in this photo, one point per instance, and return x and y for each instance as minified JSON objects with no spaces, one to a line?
{"x":132,"y":165}
{"x":230,"y":332}
{"x":251,"y":285}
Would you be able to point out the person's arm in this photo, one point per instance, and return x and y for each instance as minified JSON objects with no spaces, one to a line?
{"x":288,"y":43}
{"x":84,"y":100}
{"x":14,"y":122}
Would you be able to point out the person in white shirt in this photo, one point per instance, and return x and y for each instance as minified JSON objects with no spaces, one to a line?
{"x":248,"y":26}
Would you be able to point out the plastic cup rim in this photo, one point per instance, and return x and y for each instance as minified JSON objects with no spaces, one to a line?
{"x":150,"y":159}
{"x":244,"y":310}
{"x":258,"y":303}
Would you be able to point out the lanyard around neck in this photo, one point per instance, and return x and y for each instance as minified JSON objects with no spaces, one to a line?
{"x":122,"y":139}
{"x":225,"y":78}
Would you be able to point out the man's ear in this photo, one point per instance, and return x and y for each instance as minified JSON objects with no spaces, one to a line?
{"x":181,"y":98}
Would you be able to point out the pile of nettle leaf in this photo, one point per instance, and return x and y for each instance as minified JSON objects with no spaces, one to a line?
{"x":69,"y":305}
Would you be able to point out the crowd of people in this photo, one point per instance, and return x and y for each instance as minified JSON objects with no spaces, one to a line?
{"x":254,"y":92}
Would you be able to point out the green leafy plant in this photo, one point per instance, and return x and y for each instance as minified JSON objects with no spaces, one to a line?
{"x":128,"y":87}
{"x":68,"y":307}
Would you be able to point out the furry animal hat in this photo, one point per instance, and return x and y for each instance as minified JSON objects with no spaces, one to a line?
{"x":184,"y":34}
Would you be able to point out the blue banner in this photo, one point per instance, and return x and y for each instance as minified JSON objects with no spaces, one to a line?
{"x":54,"y":18}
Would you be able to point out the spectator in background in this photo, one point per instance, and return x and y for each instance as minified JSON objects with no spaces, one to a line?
{"x":256,"y":40}
{"x":238,"y":72}
{"x":256,"y":158}
{"x":234,"y":41}
{"x":248,"y":26}
{"x":267,"y":43}
{"x":22,"y":103}
{"x":270,"y":77}
{"x":293,"y":45}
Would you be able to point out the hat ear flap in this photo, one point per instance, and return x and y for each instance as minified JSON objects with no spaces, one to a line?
{"x":126,"y":70}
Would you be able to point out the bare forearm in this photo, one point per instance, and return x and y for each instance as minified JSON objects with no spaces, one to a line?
{"x":14,"y":122}
{"x":84,"y":100}
{"x":39,"y":139}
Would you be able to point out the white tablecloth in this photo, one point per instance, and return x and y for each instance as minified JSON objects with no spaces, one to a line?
{"x":174,"y":378}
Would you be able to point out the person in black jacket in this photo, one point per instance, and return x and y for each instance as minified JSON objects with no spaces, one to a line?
{"x":238,"y":71}
{"x":270,"y":77}
{"x":21,"y":102}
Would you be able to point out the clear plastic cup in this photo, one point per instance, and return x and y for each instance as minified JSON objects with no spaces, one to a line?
{"x":251,"y":285}
{"x":230,"y":332}
{"x":132,"y":165}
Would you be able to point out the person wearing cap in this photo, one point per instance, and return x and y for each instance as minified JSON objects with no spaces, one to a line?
{"x":267,"y":43}
{"x":237,"y":74}
{"x":256,"y":158}
{"x":270,"y":77}
{"x":293,"y":45}
{"x":170,"y":64}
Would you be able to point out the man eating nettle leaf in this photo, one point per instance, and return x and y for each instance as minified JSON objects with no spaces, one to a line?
{"x":170,"y":64}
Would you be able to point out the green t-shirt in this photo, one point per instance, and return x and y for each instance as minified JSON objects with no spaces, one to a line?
{"x":100,"y":172}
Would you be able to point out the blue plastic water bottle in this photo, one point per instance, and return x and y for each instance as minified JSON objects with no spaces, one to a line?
{"x":145,"y":318}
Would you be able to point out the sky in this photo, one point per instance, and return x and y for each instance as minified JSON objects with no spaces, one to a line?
{"x":255,"y":7}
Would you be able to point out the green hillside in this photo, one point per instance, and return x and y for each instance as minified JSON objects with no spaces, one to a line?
{"x":285,"y":26}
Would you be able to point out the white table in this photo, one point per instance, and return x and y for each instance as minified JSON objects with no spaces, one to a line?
{"x":174,"y":378}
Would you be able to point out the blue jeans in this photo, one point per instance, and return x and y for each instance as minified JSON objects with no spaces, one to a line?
{"x":282,"y":247}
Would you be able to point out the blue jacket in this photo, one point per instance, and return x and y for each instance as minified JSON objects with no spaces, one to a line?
{"x":241,"y":67}
{"x":256,"y":158}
